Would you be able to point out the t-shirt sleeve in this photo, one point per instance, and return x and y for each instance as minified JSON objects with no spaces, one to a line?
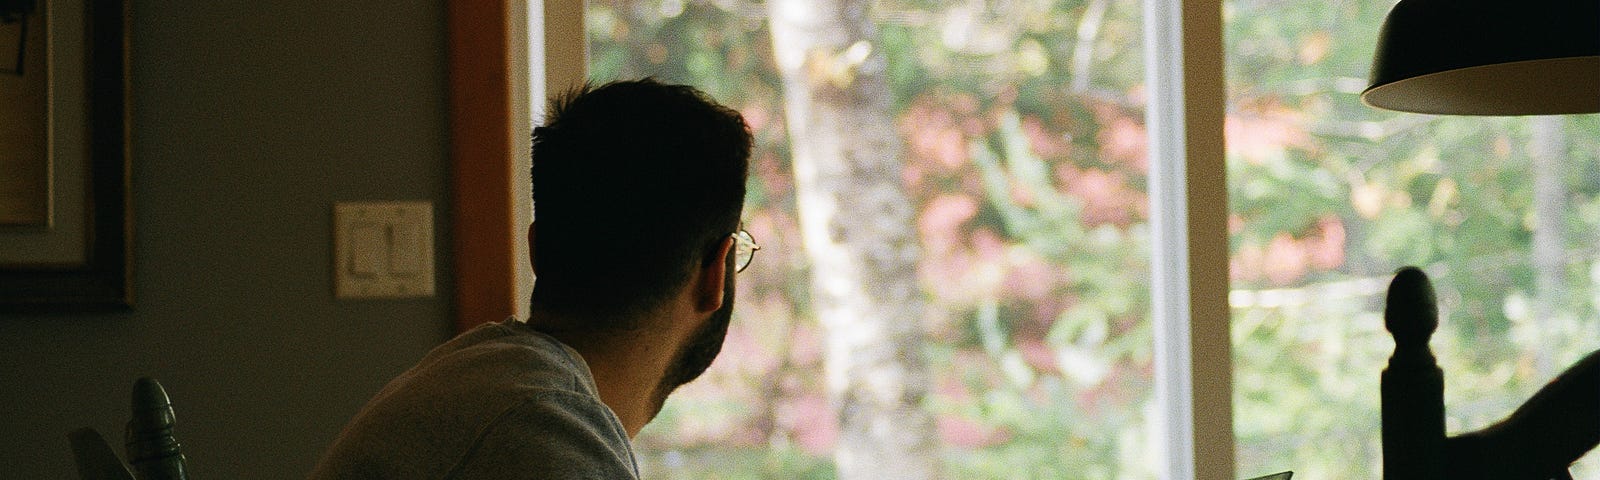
{"x":554,"y":435}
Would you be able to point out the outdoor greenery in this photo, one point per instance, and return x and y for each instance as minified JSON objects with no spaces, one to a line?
{"x":1023,"y":132}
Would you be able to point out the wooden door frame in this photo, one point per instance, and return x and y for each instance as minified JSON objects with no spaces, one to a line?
{"x":484,"y":153}
{"x":482,"y":240}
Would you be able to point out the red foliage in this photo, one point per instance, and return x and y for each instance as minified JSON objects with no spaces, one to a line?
{"x":805,"y":345}
{"x":810,"y":419}
{"x":1029,"y":277}
{"x":941,"y":220}
{"x":965,"y":433}
{"x":1122,"y":138}
{"x":1263,"y":130}
{"x":1106,"y":196}
{"x":1038,"y":356}
{"x":936,"y":128}
{"x":1044,"y":143}
{"x":1286,"y":259}
{"x":1327,"y":249}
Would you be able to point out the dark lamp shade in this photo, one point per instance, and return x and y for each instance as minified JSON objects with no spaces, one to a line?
{"x":1488,"y":57}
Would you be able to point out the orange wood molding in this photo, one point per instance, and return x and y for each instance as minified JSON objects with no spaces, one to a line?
{"x":481,"y":161}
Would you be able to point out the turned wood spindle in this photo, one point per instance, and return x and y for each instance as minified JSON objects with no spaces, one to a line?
{"x":153,"y":452}
{"x":1412,"y":384}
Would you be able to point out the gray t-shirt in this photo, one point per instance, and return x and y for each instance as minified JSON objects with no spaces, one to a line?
{"x":500,"y":401}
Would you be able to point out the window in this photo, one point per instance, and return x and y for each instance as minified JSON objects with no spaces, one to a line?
{"x":1328,"y":197}
{"x":1023,"y":154}
{"x":990,"y":161}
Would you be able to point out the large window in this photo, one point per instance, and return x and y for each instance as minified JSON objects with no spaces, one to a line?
{"x":1020,"y":146}
{"x":1021,"y":152}
{"x":1328,"y":197}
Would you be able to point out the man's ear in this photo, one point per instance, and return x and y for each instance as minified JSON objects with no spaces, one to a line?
{"x":712,"y":278}
{"x":532,"y":264}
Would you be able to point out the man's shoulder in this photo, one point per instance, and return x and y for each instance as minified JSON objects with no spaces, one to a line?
{"x":558,"y":434}
{"x":484,"y":399}
{"x":504,"y":355}
{"x":485,"y":371}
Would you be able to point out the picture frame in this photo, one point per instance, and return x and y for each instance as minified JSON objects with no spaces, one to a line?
{"x":89,"y":163}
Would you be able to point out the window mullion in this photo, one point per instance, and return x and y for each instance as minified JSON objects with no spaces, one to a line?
{"x":1188,"y":195}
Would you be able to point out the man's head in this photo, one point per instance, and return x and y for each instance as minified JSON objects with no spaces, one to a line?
{"x":635,"y":185}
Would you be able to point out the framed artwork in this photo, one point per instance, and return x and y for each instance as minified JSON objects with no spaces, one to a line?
{"x":65,"y":237}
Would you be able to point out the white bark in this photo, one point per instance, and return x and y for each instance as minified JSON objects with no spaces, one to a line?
{"x":857,"y":225}
{"x":1547,"y":150}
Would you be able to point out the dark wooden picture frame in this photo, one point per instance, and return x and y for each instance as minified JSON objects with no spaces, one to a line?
{"x":103,"y":281}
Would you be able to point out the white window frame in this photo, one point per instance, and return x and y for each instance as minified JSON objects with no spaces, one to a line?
{"x":1188,"y":193}
{"x":1189,"y":265}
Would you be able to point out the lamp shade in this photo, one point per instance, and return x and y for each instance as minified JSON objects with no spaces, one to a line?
{"x":1488,"y":57}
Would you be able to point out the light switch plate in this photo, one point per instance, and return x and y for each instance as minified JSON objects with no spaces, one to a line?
{"x":383,"y":249}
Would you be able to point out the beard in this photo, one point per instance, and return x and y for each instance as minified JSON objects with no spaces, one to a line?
{"x":700,"y":350}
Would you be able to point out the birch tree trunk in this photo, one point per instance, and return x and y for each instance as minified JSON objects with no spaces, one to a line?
{"x":856,"y":222}
{"x":1548,"y":149}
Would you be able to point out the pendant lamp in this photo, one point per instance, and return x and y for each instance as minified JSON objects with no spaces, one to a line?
{"x":1488,"y":57}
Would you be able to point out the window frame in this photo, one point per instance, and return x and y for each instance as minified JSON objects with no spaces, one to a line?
{"x":483,"y":237}
{"x":1184,"y":62}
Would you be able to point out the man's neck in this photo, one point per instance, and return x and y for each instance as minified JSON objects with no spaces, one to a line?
{"x":628,"y":366}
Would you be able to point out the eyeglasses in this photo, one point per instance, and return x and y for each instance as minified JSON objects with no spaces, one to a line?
{"x":744,"y":249}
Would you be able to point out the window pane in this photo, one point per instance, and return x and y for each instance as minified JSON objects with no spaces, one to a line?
{"x":1328,"y":197}
{"x":1022,"y":151}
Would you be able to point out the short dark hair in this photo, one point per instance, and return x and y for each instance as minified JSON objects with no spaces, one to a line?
{"x":633,"y":182}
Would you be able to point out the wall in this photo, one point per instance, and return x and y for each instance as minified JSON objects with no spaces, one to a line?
{"x":250,"y":120}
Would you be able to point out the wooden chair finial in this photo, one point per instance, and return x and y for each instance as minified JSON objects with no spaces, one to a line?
{"x":1412,"y":385}
{"x":153,"y":452}
{"x":1410,"y":313}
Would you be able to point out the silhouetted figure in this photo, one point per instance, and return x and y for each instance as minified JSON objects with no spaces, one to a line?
{"x":637,"y":190}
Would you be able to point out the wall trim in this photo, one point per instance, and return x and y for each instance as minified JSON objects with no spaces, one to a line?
{"x":481,"y":159}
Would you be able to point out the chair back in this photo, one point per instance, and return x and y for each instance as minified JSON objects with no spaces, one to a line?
{"x":1412,"y":385}
{"x":152,"y":450}
{"x":1539,"y":441}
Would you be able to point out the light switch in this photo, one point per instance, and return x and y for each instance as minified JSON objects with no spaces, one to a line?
{"x":404,"y":249}
{"x":383,"y":249}
{"x":367,"y":243}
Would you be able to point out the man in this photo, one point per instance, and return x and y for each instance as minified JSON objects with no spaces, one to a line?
{"x":637,"y":191}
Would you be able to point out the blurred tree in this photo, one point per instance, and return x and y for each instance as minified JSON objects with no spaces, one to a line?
{"x":857,"y":225}
{"x":1547,"y":149}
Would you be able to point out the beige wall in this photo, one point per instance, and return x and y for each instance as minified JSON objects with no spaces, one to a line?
{"x":249,"y":120}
